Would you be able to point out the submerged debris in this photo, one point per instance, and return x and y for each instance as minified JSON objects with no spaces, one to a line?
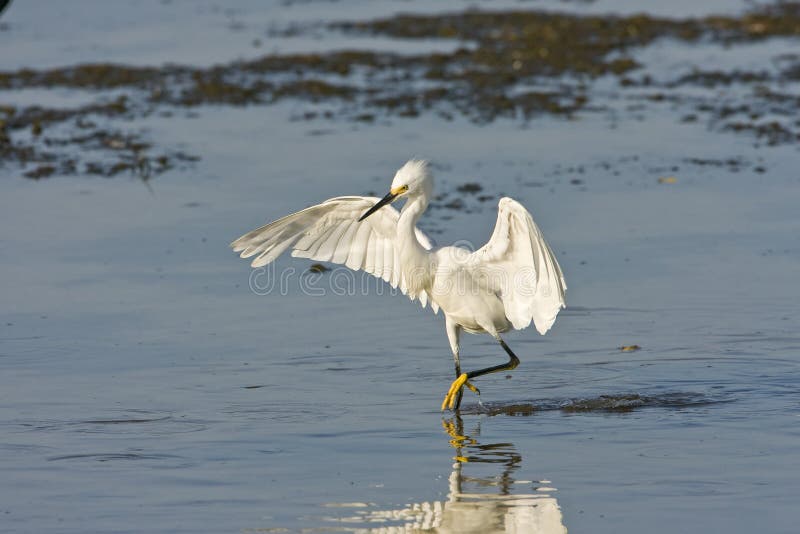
{"x":470,"y":188}
{"x":318,"y":268}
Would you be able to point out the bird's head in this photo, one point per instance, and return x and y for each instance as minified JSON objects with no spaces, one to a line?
{"x":410,"y":180}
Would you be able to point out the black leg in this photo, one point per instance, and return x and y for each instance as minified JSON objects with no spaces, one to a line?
{"x":513,"y":362}
{"x":453,"y":397}
{"x":460,"y":391}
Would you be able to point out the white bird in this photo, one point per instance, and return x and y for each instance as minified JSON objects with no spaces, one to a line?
{"x":510,"y":281}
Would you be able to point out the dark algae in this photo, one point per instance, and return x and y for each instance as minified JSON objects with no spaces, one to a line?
{"x":611,"y":403}
{"x":508,"y":64}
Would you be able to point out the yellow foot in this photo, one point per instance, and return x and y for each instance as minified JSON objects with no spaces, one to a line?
{"x":450,"y":399}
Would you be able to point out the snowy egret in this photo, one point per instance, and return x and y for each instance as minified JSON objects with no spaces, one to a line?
{"x":512,"y":280}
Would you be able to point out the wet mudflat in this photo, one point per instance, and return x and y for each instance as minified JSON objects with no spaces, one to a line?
{"x":148,"y":383}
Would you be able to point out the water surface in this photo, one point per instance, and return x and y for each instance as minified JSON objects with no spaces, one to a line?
{"x":144,"y":387}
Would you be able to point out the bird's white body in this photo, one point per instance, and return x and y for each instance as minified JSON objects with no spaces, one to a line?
{"x":510,"y":282}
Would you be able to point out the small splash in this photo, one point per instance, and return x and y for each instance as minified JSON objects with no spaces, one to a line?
{"x":610,"y":403}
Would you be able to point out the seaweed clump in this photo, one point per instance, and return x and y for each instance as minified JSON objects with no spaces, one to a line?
{"x":511,"y":64}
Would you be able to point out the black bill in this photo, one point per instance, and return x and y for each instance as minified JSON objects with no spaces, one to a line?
{"x":381,"y":203}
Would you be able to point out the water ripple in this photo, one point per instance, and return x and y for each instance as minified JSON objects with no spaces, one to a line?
{"x":114,"y":456}
{"x":138,"y":422}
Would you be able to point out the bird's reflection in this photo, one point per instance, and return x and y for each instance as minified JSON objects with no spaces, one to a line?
{"x":484,"y":495}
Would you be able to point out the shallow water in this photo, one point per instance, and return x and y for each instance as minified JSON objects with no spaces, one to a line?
{"x":144,"y":387}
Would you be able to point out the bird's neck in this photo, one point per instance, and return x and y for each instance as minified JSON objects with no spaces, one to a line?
{"x":415,"y":256}
{"x":409,"y":215}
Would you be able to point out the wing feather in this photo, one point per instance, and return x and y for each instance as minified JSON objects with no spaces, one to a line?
{"x":346,"y":241}
{"x":318,"y":241}
{"x":305,"y":242}
{"x":328,"y":247}
{"x":356,"y":257}
{"x":519,"y":265}
{"x":330,"y":231}
{"x":434,"y":306}
{"x":378,"y":271}
{"x":369,"y":262}
{"x":388,"y":260}
{"x":396,"y":270}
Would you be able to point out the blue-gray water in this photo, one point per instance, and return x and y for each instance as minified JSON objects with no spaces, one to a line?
{"x":145,"y":388}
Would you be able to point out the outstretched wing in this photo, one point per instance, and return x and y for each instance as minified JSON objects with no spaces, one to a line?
{"x":331,"y":232}
{"x":518,"y":264}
